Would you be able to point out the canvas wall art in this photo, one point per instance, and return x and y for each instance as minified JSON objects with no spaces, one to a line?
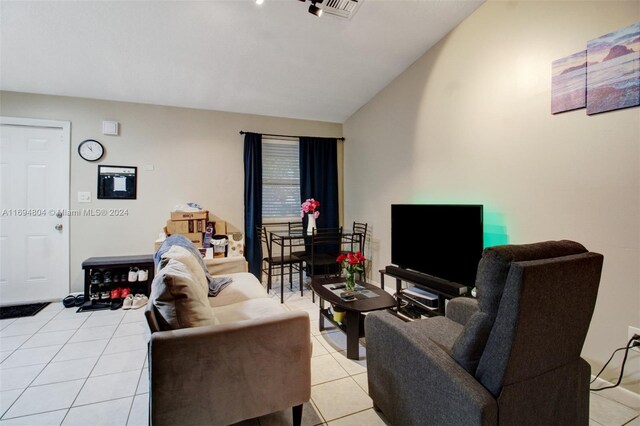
{"x":568,"y":82}
{"x":613,"y":70}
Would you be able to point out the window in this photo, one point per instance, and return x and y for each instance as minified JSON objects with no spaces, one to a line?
{"x":280,"y":179}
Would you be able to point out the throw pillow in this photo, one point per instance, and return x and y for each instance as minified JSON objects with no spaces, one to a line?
{"x":179,"y":299}
{"x":187,"y":258}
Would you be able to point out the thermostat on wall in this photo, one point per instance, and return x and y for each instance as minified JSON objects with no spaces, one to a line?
{"x":110,"y":128}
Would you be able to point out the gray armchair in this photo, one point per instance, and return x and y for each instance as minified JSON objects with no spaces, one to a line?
{"x":511,"y":356}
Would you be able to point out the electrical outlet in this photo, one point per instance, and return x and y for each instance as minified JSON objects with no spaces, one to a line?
{"x":630,"y":333}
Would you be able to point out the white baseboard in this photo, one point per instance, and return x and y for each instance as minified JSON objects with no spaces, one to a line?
{"x":618,"y":394}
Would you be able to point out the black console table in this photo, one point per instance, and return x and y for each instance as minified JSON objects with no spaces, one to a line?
{"x":442,"y":288}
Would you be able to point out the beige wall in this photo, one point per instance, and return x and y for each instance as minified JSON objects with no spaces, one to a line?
{"x":197,"y":156}
{"x":470,"y":122}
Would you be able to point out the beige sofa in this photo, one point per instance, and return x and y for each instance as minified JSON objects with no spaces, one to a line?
{"x":220,"y":360}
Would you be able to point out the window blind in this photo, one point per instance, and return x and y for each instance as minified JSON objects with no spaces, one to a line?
{"x":280,"y":179}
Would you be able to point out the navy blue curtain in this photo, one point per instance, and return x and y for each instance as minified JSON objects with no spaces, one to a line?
{"x":252,"y":200}
{"x":319,"y":178}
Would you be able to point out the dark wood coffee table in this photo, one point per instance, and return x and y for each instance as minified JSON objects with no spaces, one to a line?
{"x":354,"y":327}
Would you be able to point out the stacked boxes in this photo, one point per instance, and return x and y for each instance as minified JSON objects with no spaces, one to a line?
{"x":192,"y":225}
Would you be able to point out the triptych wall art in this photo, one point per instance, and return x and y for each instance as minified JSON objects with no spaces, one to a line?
{"x":604,"y":77}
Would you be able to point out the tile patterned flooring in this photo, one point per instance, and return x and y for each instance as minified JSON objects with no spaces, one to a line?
{"x":65,"y":368}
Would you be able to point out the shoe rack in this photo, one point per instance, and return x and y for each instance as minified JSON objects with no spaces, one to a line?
{"x":111,"y":272}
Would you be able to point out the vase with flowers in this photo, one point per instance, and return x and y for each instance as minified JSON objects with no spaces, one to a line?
{"x":351,"y":263}
{"x":309,"y":208}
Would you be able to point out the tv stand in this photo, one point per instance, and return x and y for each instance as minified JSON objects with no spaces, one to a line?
{"x":442,"y":288}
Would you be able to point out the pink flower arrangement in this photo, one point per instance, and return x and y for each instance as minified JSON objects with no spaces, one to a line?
{"x":310,"y":207}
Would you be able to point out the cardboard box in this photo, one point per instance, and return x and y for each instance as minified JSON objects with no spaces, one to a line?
{"x":204,"y":214}
{"x":189,"y":226}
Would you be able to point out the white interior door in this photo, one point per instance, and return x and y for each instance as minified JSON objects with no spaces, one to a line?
{"x":34,"y":199}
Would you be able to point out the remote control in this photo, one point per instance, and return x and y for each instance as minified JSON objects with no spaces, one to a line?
{"x":338,"y":286}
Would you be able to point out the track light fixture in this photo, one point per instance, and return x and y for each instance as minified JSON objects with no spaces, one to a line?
{"x":313,"y":8}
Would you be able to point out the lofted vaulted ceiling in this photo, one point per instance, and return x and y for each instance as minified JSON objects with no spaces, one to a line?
{"x":272,"y":59}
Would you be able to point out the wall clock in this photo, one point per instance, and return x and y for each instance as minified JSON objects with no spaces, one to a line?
{"x":91,"y":150}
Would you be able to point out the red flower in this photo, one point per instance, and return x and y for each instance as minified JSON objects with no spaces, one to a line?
{"x":351,"y":261}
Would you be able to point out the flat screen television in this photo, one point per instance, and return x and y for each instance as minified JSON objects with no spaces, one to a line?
{"x":444,"y":241}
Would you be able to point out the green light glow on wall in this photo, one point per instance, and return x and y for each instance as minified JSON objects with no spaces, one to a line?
{"x":495,"y":228}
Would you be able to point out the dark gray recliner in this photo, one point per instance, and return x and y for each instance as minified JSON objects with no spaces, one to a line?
{"x":511,"y":356}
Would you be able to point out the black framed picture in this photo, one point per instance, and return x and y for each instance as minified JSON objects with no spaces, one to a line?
{"x":117,"y":182}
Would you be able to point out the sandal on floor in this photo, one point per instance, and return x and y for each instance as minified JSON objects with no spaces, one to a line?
{"x":69,"y":301}
{"x":79,"y":300}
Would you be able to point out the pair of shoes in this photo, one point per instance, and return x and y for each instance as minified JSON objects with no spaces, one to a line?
{"x":117,"y":296}
{"x":135,"y":302}
{"x":71,"y":301}
{"x":136,"y":274}
{"x":108,"y":277}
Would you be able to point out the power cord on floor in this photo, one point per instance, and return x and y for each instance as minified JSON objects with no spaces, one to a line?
{"x":633,"y":342}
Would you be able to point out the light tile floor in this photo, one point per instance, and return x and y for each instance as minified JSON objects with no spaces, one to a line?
{"x":66,"y":368}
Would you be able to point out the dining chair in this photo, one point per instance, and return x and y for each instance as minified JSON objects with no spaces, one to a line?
{"x":360,"y":236}
{"x":360,"y":231}
{"x":296,"y":227}
{"x":324,"y":249}
{"x":271,"y":263}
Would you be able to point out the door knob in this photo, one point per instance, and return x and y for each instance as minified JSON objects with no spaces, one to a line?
{"x":59,"y":227}
{"x":59,"y":214}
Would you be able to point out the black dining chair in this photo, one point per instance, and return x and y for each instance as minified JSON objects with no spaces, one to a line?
{"x":359,"y":237}
{"x":324,"y":249}
{"x":297,"y":227}
{"x":273,"y":265}
{"x":360,"y":234}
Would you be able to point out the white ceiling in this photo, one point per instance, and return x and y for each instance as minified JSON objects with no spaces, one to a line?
{"x":275,"y":59}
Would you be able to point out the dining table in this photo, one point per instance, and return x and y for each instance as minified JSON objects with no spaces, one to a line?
{"x":289,"y":239}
